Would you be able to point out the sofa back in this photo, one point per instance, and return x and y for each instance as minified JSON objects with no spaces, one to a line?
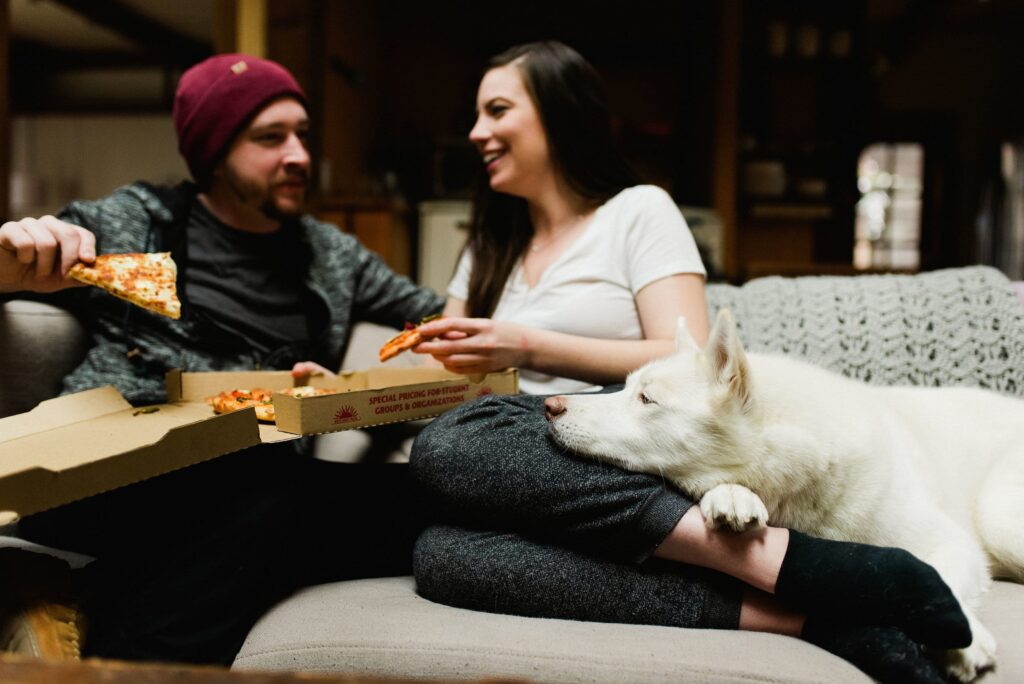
{"x":959,"y":326}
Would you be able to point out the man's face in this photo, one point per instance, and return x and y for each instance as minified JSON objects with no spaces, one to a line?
{"x":267,"y":167}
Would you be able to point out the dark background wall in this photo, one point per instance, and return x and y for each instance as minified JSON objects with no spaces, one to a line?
{"x":695,"y":97}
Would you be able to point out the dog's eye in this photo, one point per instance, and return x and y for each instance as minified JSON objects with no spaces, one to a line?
{"x":644,"y":399}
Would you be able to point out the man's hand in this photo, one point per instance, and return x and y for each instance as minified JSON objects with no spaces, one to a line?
{"x":306,"y":369}
{"x":35,"y":254}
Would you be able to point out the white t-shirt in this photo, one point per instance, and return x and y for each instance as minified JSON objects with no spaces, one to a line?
{"x":633,"y":239}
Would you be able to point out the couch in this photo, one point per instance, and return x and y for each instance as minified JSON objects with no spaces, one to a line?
{"x":959,"y":325}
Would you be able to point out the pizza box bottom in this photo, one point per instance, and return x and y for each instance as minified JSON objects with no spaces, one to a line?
{"x":367,"y":398}
{"x":82,"y":444}
{"x":94,"y":441}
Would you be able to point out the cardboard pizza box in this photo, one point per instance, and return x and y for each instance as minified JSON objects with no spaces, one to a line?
{"x":94,"y":441}
{"x":367,"y":398}
{"x":194,"y":388}
{"x":385,"y":395}
{"x":78,"y":445}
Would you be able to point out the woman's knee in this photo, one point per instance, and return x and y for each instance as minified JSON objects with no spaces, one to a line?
{"x":454,"y":439}
{"x":491,"y":571}
{"x":438,"y":563}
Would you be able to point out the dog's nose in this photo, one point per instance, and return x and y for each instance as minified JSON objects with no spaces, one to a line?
{"x":554,"y":407}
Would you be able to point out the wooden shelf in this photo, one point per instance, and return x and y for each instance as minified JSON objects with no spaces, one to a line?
{"x":790,"y":211}
{"x":376,"y":222}
{"x":797,"y":118}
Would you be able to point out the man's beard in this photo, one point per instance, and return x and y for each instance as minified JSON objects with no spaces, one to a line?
{"x":253,"y":194}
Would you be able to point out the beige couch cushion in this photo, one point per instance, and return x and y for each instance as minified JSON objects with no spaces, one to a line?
{"x":382,"y":627}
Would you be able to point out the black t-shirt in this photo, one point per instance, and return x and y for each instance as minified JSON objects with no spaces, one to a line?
{"x":252,"y":286}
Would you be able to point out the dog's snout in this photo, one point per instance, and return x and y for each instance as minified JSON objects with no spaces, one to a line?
{"x":554,"y":407}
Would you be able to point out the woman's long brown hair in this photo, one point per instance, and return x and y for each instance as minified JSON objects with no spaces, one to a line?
{"x":570,"y":100}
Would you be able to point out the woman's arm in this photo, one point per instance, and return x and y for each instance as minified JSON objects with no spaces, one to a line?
{"x":478,"y":345}
{"x":454,"y":308}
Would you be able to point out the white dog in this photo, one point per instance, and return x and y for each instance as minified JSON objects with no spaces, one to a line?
{"x":758,"y":438}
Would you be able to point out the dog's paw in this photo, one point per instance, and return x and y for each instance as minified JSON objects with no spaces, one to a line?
{"x":735,"y":507}
{"x":966,"y":664}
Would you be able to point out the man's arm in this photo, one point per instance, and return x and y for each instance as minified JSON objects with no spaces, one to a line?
{"x":382,"y":296}
{"x":35,"y":254}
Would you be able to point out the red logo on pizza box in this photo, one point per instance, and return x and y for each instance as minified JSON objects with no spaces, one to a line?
{"x":484,"y":391}
{"x":346,"y":414}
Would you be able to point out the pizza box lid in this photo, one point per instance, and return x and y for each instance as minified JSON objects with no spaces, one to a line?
{"x":366,"y":398}
{"x":82,"y":444}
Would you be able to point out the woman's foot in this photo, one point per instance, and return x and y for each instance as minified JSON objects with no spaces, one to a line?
{"x":859,"y":583}
{"x":884,"y":653}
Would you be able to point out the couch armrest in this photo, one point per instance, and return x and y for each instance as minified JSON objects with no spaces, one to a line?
{"x":39,"y":345}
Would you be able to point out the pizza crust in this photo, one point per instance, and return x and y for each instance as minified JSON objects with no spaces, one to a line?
{"x":404,"y":341}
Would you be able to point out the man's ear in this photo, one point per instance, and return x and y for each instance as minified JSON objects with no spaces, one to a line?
{"x":684,"y":340}
{"x":727,"y":362}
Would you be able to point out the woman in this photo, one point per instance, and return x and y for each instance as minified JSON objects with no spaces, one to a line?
{"x":573,"y":272}
{"x":577,"y":276}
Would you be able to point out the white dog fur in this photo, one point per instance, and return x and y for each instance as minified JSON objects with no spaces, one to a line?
{"x":761,"y":439}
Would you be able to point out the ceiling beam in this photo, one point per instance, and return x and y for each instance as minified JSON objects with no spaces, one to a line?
{"x":146,"y":32}
{"x":41,"y":56}
{"x":36,"y":68}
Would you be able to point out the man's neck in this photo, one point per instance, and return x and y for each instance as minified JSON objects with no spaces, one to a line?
{"x":236,"y":215}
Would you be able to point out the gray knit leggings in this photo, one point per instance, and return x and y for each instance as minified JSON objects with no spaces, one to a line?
{"x":528,"y":529}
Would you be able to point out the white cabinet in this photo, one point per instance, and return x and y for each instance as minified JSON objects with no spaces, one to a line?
{"x":443,"y":230}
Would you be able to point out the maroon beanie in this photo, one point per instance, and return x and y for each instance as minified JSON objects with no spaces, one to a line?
{"x":217,"y":98}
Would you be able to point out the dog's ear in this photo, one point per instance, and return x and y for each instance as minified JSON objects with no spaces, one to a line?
{"x":727,"y":362}
{"x":684,"y":340}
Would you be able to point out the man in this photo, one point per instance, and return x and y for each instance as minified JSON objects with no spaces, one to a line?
{"x":187,"y":562}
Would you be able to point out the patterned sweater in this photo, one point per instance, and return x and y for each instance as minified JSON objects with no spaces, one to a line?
{"x":133,"y":348}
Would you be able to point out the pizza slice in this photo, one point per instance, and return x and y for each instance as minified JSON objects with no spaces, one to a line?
{"x":403,"y":341}
{"x":146,"y":280}
{"x":237,"y":399}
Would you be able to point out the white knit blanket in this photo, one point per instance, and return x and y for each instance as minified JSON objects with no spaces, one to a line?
{"x":961,"y":326}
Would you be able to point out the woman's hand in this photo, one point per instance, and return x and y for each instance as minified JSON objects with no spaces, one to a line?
{"x":475,"y":345}
{"x":305,"y":369}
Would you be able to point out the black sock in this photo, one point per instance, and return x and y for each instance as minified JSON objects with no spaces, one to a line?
{"x":872,"y":585}
{"x":884,"y":653}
